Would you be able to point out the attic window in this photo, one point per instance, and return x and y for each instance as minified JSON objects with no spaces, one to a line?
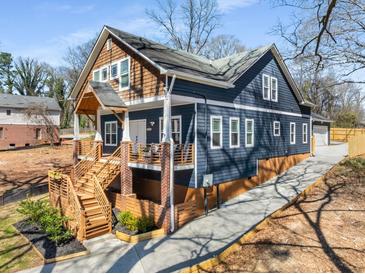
{"x":124,"y":74}
{"x":109,"y":44}
{"x":8,"y":112}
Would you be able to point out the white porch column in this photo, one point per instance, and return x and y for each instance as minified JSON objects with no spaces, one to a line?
{"x":126,"y":135}
{"x":166,"y":135}
{"x":98,"y":137}
{"x":76,"y":127}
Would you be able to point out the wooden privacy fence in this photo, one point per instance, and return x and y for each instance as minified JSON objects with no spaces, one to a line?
{"x":344,"y":134}
{"x":357,"y":145}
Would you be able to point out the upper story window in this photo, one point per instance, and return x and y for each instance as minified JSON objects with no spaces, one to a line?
{"x":104,"y":74}
{"x":175,"y":129}
{"x":109,"y":44}
{"x":114,"y":71}
{"x":269,"y":88}
{"x":250,"y":132}
{"x":305,"y":133}
{"x":96,"y":75}
{"x":276,"y":128}
{"x":292,"y":133}
{"x":124,"y":74}
{"x":234,"y":132}
{"x":216,"y":132}
{"x":8,"y":112}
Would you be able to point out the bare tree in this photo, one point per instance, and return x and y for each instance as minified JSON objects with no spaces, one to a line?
{"x":331,"y":33}
{"x":30,"y":77}
{"x":188,"y":25}
{"x":222,"y":45}
{"x":40,"y":115}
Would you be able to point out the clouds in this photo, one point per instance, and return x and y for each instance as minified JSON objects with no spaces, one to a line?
{"x":228,"y":5}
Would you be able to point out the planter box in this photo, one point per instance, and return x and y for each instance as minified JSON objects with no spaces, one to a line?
{"x":140,"y":237}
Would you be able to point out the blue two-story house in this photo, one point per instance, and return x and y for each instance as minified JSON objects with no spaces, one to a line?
{"x":183,"y":132}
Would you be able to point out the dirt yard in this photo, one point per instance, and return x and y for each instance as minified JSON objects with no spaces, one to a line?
{"x":19,"y":169}
{"x":323,"y":232}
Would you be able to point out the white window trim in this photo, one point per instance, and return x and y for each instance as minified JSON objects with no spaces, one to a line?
{"x":230,"y":132}
{"x":116,"y":139}
{"x":38,"y":137}
{"x":263,"y":87}
{"x":172,"y":117}
{"x":271,"y":89}
{"x":129,"y":74}
{"x":253,"y":132}
{"x":110,"y":70}
{"x":305,"y":133}
{"x":276,"y":123}
{"x":94,"y":71}
{"x":290,"y":133}
{"x":107,"y":67}
{"x":211,"y":132}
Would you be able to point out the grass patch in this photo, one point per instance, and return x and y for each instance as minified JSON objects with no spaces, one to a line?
{"x":15,"y":253}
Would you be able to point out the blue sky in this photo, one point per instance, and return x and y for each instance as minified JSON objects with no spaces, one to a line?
{"x":44,"y":29}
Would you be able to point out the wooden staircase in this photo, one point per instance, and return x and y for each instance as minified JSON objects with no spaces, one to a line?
{"x":83,"y":198}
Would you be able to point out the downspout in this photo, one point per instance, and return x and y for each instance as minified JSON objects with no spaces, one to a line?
{"x":172,"y":207}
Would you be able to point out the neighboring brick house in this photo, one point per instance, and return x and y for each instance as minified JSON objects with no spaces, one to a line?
{"x":20,"y":126}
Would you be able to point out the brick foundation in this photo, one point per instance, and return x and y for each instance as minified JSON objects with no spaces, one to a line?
{"x":165,"y":185}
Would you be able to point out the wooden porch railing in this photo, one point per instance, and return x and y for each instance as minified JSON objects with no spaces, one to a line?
{"x":109,"y":168}
{"x":151,"y":153}
{"x":62,"y":195}
{"x":103,"y":201}
{"x":89,"y":160}
{"x":85,"y":146}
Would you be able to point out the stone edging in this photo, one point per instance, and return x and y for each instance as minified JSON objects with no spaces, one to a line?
{"x":212,"y":262}
{"x":140,"y":237}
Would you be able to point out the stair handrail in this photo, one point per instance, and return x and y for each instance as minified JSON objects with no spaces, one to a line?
{"x":85,"y":164}
{"x":102,"y":200}
{"x":78,"y":211}
{"x":116,"y":153}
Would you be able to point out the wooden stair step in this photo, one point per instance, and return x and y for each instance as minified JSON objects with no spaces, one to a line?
{"x":96,"y":233}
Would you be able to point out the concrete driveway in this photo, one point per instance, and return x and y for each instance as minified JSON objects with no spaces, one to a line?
{"x":205,"y":236}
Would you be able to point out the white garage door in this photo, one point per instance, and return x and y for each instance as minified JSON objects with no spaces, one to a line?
{"x":321,"y":135}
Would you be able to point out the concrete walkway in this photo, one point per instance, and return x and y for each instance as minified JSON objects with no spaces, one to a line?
{"x":206,"y":236}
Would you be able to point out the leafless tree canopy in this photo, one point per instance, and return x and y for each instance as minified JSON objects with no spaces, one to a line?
{"x":331,"y":33}
{"x":221,"y":46}
{"x":188,"y":26}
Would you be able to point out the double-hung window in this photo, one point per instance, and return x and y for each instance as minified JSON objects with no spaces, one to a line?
{"x":111,"y":134}
{"x":305,"y":133}
{"x":266,"y":87}
{"x":269,"y":88}
{"x":234,"y":132}
{"x":216,"y":131}
{"x":276,"y":128}
{"x":292,"y":133}
{"x":96,"y":75}
{"x":124,"y":74}
{"x":114,"y":71}
{"x":249,"y":132}
{"x":175,"y":129}
{"x":104,"y":74}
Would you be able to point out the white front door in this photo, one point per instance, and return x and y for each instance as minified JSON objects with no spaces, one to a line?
{"x":321,"y":135}
{"x":137,"y":130}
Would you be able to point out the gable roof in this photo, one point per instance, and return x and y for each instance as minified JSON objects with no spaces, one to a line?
{"x":106,"y":94}
{"x":221,"y":73}
{"x":23,"y":102}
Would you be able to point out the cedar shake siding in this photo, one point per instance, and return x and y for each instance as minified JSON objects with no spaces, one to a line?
{"x":145,"y":80}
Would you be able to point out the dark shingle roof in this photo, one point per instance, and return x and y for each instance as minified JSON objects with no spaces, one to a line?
{"x":20,"y":101}
{"x":107,"y":95}
{"x":225,"y":69}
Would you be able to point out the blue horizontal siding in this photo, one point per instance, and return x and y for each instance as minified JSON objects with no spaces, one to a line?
{"x":234,"y":163}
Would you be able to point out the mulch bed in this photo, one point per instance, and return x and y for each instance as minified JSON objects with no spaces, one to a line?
{"x":119,"y":227}
{"x":46,"y":247}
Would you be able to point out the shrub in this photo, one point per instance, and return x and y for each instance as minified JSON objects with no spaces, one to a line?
{"x":49,"y":219}
{"x":33,"y":210}
{"x":357,"y":164}
{"x":145,"y":224}
{"x":127,"y":219}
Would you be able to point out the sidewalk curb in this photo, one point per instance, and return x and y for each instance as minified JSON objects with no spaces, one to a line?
{"x":250,"y":234}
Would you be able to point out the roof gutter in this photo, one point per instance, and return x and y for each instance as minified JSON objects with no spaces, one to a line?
{"x":198,"y":79}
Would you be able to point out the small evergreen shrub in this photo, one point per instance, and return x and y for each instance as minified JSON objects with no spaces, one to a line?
{"x":127,"y":219}
{"x":145,"y":224}
{"x":49,"y":219}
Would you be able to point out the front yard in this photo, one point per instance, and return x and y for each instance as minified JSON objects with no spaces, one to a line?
{"x":323,"y":232}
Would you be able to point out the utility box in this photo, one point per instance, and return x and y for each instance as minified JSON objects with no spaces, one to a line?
{"x":207,"y":180}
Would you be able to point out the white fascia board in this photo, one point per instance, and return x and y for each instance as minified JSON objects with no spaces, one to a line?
{"x":198,"y":79}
